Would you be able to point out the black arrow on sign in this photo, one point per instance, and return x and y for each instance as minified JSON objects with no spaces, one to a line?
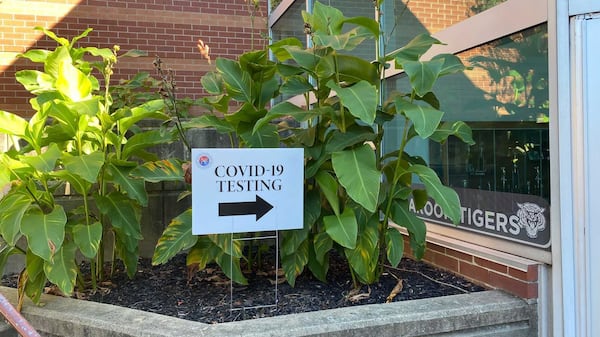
{"x":259,"y":207}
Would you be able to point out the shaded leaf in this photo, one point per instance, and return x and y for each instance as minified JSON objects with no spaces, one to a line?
{"x":423,"y":74}
{"x":209,"y":121}
{"x":7,"y":251}
{"x":231,"y":268}
{"x":394,"y":246}
{"x":403,"y":217}
{"x":45,"y":232}
{"x":202,"y":253}
{"x":237,"y":82}
{"x":176,"y":238}
{"x":266,"y":136}
{"x":292,"y":239}
{"x":414,"y":49}
{"x":12,"y":211}
{"x":363,"y":258}
{"x":360,"y":99}
{"x":342,"y":229}
{"x":293,"y":264}
{"x":121,"y":212}
{"x":87,"y":238}
{"x":357,"y":172}
{"x":143,"y":140}
{"x":329,"y":187}
{"x":87,"y":166}
{"x":425,"y":119}
{"x":444,"y":196}
{"x":62,"y":270}
{"x":459,"y":129}
{"x":212,"y":83}
{"x":285,"y":109}
{"x":227,"y":245}
{"x":134,"y":187}
{"x":157,"y":171}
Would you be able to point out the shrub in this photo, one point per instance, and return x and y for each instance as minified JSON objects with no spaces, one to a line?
{"x":77,"y":140}
{"x":352,"y":189}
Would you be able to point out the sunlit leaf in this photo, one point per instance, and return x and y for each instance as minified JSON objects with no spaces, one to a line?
{"x":12,"y":124}
{"x":35,"y":81}
{"x":71,"y":82}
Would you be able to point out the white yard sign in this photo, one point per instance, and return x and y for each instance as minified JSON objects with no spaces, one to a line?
{"x":247,"y":190}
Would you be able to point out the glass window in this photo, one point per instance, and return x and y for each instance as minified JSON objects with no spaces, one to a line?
{"x":504,"y":98}
{"x":290,"y":24}
{"x":503,"y":179}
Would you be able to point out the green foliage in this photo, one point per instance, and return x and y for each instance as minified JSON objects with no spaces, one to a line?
{"x":77,"y":139}
{"x":352,"y":189}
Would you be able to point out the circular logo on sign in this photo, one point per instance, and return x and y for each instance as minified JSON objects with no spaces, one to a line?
{"x":203,"y":160}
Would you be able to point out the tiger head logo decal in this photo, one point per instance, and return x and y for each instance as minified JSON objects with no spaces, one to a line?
{"x":531,"y":218}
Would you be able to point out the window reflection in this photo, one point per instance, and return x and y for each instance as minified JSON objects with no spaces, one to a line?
{"x":407,"y":18}
{"x":504,"y":98}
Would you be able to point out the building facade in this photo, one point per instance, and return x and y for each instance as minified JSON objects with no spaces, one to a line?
{"x":169,"y":29}
{"x":528,"y":185}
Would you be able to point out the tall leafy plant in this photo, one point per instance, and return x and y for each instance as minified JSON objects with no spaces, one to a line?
{"x":76,"y":142}
{"x":353,"y":190}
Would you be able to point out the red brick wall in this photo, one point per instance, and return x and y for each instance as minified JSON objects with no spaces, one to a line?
{"x":167,"y":28}
{"x":521,"y":283}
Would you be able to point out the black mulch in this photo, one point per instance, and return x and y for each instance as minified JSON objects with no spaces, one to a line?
{"x":207,"y":296}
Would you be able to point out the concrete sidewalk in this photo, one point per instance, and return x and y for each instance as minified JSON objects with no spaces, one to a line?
{"x":488,"y":313}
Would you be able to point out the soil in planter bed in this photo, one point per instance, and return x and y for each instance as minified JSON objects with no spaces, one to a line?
{"x":207,"y":295}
